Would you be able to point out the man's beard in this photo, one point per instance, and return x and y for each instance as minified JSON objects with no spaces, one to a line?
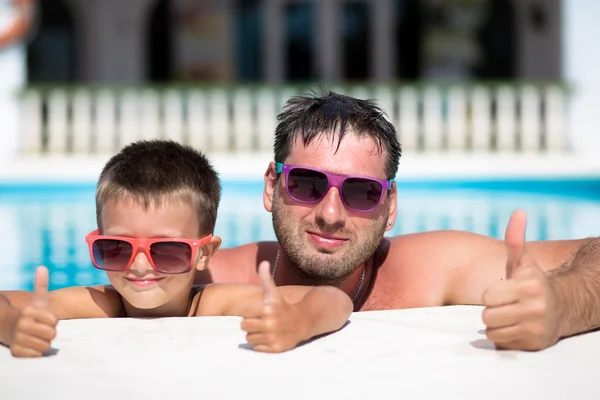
{"x":322,"y":268}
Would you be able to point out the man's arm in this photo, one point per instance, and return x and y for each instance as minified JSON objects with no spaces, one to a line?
{"x":278,"y":318}
{"x":577,"y":288}
{"x":468,"y":264}
{"x":535,"y":306}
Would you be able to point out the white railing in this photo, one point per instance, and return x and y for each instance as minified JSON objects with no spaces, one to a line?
{"x":462,"y":118}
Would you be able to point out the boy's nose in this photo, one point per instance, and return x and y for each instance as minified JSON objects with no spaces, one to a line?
{"x":141,"y":264}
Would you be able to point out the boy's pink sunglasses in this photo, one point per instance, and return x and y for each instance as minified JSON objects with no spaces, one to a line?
{"x":166,"y":255}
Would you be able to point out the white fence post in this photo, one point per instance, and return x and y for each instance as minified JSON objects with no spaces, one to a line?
{"x":266,"y":117}
{"x":408,"y":115}
{"x":432,"y":119}
{"x":82,"y":121}
{"x":283,"y":95}
{"x":218,"y":118}
{"x":243,"y":121}
{"x":530,"y":119}
{"x":197,"y":121}
{"x":105,"y":122}
{"x":57,"y":122}
{"x":385,"y":100}
{"x":481,"y":119}
{"x":31,"y":121}
{"x":457,"y":117}
{"x":506,"y":127}
{"x":150,"y":122}
{"x":556,"y":135}
{"x":129,"y":122}
{"x":173,"y":116}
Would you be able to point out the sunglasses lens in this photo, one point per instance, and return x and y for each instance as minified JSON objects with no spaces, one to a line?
{"x":361,"y":194}
{"x":306,"y":185}
{"x":171,"y":257}
{"x":111,"y":255}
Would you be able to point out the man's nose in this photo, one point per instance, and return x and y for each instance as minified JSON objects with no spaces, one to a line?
{"x":331,"y":209}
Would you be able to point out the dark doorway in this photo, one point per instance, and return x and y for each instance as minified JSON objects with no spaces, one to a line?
{"x":356,"y":40}
{"x":497,"y":39}
{"x":159,"y":43}
{"x":51,"y":50}
{"x":299,"y":41}
{"x":249,"y":16}
{"x":409,"y":33}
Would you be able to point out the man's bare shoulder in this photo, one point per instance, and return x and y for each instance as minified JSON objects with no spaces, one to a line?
{"x":419,"y":268}
{"x":464,"y":246}
{"x":455,"y":267}
{"x":237,"y":264}
{"x":448,"y":254}
{"x":424,"y":246}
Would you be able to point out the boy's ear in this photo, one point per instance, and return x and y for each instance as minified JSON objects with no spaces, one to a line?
{"x":207,"y":251}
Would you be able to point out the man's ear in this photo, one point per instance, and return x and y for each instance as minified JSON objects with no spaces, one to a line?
{"x":207,"y":251}
{"x":270,"y":184}
{"x":393,"y":199}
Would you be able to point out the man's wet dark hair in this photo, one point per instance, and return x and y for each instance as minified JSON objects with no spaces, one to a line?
{"x":309,"y":117}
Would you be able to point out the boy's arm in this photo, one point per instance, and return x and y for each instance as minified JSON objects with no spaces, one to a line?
{"x":28,"y":319}
{"x":28,"y":330}
{"x":76,"y":302}
{"x":278,"y":318}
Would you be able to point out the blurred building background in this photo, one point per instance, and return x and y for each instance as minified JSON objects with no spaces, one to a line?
{"x":140,"y":41}
{"x":491,"y":76}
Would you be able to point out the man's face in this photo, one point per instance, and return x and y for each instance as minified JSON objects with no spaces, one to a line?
{"x":326,"y":241}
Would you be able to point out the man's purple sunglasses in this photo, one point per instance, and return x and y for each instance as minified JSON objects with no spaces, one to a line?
{"x":310,"y":185}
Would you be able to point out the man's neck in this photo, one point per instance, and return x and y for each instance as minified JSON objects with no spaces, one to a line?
{"x":287,"y":275}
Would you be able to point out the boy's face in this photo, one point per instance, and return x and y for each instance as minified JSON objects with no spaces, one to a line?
{"x":141,"y":285}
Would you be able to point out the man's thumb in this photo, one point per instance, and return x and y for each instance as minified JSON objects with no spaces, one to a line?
{"x":266,"y":281}
{"x":514,"y":238}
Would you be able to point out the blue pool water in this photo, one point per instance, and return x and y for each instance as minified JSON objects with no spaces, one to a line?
{"x":46,"y":223}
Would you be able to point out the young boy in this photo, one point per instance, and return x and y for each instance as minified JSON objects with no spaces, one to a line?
{"x":156,"y":207}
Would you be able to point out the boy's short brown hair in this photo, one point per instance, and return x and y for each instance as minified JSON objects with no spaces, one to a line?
{"x":151,"y":170}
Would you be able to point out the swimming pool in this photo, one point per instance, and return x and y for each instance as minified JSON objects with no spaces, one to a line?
{"x":46,"y":223}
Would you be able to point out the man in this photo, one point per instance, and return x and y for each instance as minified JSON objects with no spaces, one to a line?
{"x":332,"y":196}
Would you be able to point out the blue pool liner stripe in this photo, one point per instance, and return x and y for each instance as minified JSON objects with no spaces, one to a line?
{"x":578,"y":187}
